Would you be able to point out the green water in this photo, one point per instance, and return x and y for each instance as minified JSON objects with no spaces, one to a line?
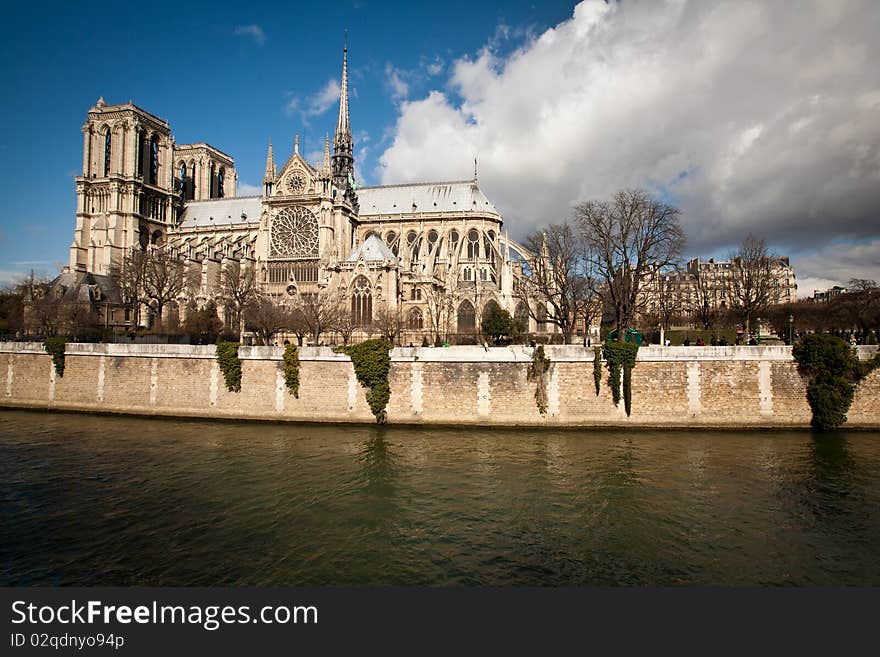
{"x":119,"y":501}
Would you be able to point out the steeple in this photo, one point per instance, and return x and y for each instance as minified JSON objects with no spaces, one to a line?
{"x":269,"y":176}
{"x":326,"y":164}
{"x":343,"y":157}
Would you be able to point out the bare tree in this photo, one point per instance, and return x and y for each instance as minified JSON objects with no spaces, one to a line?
{"x":702,"y":302}
{"x":130,"y":275}
{"x":440,"y":308}
{"x":165,"y":279}
{"x":238,"y":289}
{"x":865,"y":300}
{"x":559,"y":278}
{"x":750,"y":281}
{"x":345,"y":324}
{"x":624,"y":238}
{"x":386,"y":322}
{"x":266,"y":318}
{"x":319,"y":310}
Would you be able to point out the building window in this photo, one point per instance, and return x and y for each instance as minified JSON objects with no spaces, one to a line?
{"x":139,"y":156}
{"x":413,"y":245}
{"x":416,"y":294}
{"x":361,"y":302}
{"x":154,"y":161}
{"x":107,"y":144}
{"x":220,"y":174}
{"x":183,"y":181}
{"x":432,"y":239}
{"x":453,"y":241}
{"x":473,"y":245}
{"x":212,"y":184}
{"x":415,"y":319}
{"x":466,"y":317}
{"x":541,"y":318}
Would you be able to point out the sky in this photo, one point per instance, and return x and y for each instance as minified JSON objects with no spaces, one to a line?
{"x":749,"y":116}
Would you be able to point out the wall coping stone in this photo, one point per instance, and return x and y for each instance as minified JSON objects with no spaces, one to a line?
{"x":458,"y":354}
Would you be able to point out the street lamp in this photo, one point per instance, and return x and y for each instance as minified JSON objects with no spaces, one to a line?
{"x":790,"y":325}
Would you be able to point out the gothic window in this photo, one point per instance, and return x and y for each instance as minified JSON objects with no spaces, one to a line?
{"x":390,"y":240}
{"x":416,"y":321}
{"x":220,"y":175}
{"x":541,"y":318}
{"x":466,"y":274}
{"x":294,"y":234}
{"x":453,"y":241}
{"x":183,"y":180}
{"x":107,"y":143}
{"x":415,"y":294}
{"x":432,"y":239}
{"x":212,"y":183}
{"x":521,"y":314}
{"x":473,"y":245}
{"x":413,"y":244}
{"x":140,"y":152}
{"x":466,"y":318}
{"x":361,"y":302}
{"x":154,"y":161}
{"x":491,"y":307}
{"x":483,"y":275}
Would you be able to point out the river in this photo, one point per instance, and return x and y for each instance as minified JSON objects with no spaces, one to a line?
{"x":95,"y":500}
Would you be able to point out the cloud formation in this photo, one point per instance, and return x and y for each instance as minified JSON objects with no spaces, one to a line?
{"x":315,"y":104}
{"x":253,"y":31}
{"x":750,"y":116}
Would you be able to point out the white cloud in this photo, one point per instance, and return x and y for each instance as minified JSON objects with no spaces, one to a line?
{"x":394,"y":78}
{"x":751,"y":116}
{"x":836,"y":263}
{"x":245,"y":189}
{"x":253,"y":31}
{"x":316,"y":103}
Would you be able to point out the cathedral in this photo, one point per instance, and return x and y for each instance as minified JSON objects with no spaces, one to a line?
{"x":435,"y":254}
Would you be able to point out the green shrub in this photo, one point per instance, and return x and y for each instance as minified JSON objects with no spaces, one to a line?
{"x":372,"y":361}
{"x":831,"y":368}
{"x":291,"y":369}
{"x":230,"y":365}
{"x":537,"y":372}
{"x":55,"y":348}
{"x":620,"y":355}
{"x":597,"y":368}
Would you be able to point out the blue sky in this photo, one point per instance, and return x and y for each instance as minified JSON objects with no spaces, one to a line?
{"x":749,"y":115}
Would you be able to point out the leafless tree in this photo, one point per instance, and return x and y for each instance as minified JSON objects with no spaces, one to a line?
{"x":865,"y":299}
{"x":440,"y":303}
{"x":750,"y":281}
{"x":386,"y":322}
{"x":702,"y":302}
{"x":165,"y":279}
{"x":266,"y":318}
{"x":345,"y":324}
{"x":238,"y":289}
{"x":559,"y":278}
{"x":130,"y":275}
{"x":319,"y":310}
{"x":624,"y":238}
{"x":667,"y":297}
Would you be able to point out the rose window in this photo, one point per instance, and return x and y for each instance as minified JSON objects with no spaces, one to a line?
{"x":296,"y":182}
{"x":294,"y":234}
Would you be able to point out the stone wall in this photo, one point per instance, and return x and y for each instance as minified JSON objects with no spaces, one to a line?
{"x":672,"y":386}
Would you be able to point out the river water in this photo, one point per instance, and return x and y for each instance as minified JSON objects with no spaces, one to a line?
{"x":92,"y":500}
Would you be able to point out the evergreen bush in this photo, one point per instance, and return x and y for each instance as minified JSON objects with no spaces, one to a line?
{"x":372,"y":361}
{"x":620,"y":355}
{"x":537,"y":372}
{"x":230,"y":365}
{"x":291,"y":369}
{"x":55,"y":348}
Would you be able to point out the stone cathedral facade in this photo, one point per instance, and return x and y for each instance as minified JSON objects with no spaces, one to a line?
{"x":435,"y":253}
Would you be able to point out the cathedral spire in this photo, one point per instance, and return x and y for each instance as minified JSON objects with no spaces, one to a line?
{"x":269,"y":176}
{"x":343,"y":147}
{"x":326,"y":164}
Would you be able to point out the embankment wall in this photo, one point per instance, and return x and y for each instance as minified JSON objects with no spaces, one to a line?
{"x":672,"y":386}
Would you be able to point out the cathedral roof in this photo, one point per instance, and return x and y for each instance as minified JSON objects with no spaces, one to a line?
{"x":411,"y":198}
{"x":372,"y":249}
{"x":220,"y":211}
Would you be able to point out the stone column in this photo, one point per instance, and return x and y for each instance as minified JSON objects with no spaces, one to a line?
{"x":87,"y":150}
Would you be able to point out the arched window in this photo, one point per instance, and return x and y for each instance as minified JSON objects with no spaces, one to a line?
{"x":361,"y":302}
{"x":413,"y":244}
{"x":491,"y":308}
{"x":488,"y":251}
{"x":183,"y":181}
{"x":432,"y":239}
{"x":108,"y":139}
{"x":415,"y":319}
{"x":213,"y":183}
{"x":195,"y":176}
{"x":473,"y":245}
{"x":220,"y":175}
{"x":521,"y":315}
{"x":466,"y":317}
{"x":483,"y":275}
{"x":391,"y":241}
{"x":541,"y":318}
{"x":466,"y":274}
{"x":416,"y":294}
{"x":154,"y":161}
{"x":141,"y":138}
{"x":453,"y":241}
